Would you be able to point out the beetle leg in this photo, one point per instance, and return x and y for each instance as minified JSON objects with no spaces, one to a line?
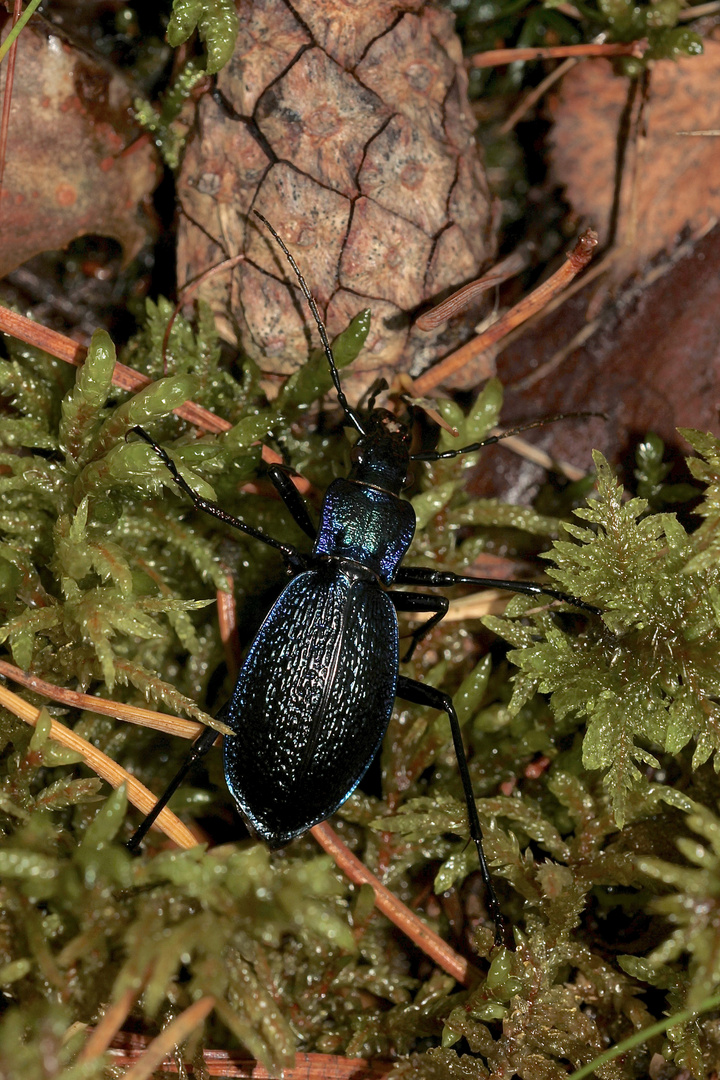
{"x":402,"y":601}
{"x":198,"y":750}
{"x":423,"y":694}
{"x":443,"y":579}
{"x":209,"y":507}
{"x":292,"y":499}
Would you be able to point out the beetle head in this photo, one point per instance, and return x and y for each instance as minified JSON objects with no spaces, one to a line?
{"x":381,"y":456}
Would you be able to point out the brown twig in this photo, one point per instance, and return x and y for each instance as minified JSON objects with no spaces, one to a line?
{"x":129,"y":1047}
{"x":584,"y":334}
{"x":540,"y":457}
{"x":104,"y":766}
{"x":132,"y":714}
{"x":534,"y":95}
{"x":411,"y":925}
{"x":463,"y":298}
{"x":112,"y":1020}
{"x":227,"y":622}
{"x":176,"y":1033}
{"x":493,"y":57}
{"x":72,"y":352}
{"x":577,"y":259}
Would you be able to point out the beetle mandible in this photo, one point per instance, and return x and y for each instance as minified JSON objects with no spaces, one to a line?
{"x":315,"y":693}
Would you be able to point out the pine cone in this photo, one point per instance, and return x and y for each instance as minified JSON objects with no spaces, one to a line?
{"x":350,"y":130}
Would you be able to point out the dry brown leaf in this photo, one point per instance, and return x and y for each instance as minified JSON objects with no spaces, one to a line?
{"x":72,"y":168}
{"x":670,"y":182}
{"x":651,"y":364}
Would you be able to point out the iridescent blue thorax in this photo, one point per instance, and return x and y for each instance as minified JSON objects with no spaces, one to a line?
{"x":367,"y":526}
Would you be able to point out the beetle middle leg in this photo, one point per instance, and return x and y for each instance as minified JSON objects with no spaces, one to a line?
{"x":422,"y":575}
{"x":444,"y":579}
{"x":411,"y":601}
{"x":423,"y":694}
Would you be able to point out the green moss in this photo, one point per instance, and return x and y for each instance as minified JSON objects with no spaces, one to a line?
{"x":594,"y":766}
{"x":216,"y":22}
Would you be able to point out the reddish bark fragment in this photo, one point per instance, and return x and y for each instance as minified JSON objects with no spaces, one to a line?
{"x":669,"y":181}
{"x":653,"y":365}
{"x":66,"y":174}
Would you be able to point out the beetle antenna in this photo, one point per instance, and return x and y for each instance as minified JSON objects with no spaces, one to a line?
{"x":435,"y":455}
{"x":344,"y":403}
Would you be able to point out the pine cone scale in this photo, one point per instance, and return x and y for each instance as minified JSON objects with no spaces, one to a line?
{"x":357,"y":144}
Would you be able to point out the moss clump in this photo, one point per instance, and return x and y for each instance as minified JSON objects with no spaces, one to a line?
{"x":593,"y":769}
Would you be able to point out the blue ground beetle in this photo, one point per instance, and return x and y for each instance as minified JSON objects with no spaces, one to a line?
{"x":314,"y":695}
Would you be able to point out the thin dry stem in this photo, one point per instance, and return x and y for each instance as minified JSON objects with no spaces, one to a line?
{"x":173,"y":1035}
{"x":462,"y":299}
{"x":584,"y":334}
{"x":534,"y":95}
{"x":129,"y":1048}
{"x":411,"y":925}
{"x":133,"y":714}
{"x":227,"y":623}
{"x":493,"y":57}
{"x":112,"y":1020}
{"x":7,"y":98}
{"x":104,"y":766}
{"x":577,"y":259}
{"x":532,"y":453}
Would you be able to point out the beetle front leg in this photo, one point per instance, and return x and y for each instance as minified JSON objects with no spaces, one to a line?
{"x":208,"y":507}
{"x":423,"y":694}
{"x":419,"y":602}
{"x":292,"y":499}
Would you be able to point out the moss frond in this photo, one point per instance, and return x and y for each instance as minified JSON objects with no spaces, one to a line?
{"x":594,"y":771}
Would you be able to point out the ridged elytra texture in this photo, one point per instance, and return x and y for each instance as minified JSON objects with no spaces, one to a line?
{"x":312,"y":702}
{"x":352,"y":134}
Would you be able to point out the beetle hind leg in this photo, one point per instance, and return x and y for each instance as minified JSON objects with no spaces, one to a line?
{"x":423,"y":694}
{"x":198,"y":750}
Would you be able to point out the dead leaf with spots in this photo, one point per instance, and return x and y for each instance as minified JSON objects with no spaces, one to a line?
{"x":73,"y":166}
{"x":669,"y":182}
